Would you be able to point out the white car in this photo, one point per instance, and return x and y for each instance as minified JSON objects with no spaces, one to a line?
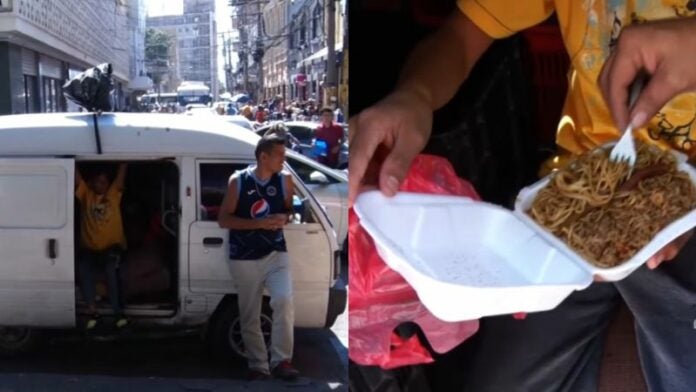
{"x":239,"y":120}
{"x":198,"y":109}
{"x":329,"y":187}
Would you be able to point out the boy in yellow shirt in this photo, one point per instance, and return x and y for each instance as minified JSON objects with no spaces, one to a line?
{"x":609,"y":43}
{"x":102,"y":240}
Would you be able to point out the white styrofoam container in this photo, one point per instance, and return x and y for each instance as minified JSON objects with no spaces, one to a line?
{"x":680,"y":226}
{"x":469,"y":259}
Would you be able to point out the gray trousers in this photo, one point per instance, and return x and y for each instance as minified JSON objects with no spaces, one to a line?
{"x":561,"y":349}
{"x":251,"y":277}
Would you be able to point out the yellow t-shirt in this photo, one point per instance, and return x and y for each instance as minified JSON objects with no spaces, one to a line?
{"x":101,"y":226}
{"x":590,"y":28}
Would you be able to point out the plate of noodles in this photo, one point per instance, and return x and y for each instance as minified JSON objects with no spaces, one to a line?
{"x":608,"y":222}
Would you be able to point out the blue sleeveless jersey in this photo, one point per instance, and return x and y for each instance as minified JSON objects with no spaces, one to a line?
{"x":257,"y":200}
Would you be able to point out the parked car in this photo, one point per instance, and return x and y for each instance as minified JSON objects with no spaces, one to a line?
{"x":239,"y":120}
{"x":304,"y":132}
{"x":179,"y":168}
{"x":198,"y":109}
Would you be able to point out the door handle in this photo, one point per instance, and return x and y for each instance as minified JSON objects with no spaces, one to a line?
{"x":312,"y":232}
{"x":52,"y":253}
{"x":212,"y":241}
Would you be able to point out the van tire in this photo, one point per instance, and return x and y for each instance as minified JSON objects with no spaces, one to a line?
{"x":17,"y":341}
{"x":227,"y":345}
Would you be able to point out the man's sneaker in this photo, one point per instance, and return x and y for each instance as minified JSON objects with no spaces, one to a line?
{"x":255,"y":375}
{"x":285,"y":371}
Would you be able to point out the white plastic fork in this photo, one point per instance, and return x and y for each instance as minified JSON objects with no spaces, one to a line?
{"x":625,"y":149}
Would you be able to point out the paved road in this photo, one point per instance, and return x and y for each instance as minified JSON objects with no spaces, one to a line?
{"x":171,"y":364}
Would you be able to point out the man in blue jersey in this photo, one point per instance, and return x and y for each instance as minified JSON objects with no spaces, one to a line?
{"x":257,"y":205}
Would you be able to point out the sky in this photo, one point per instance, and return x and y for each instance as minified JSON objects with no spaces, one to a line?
{"x":222,"y":18}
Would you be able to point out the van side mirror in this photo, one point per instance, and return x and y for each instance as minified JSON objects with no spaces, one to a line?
{"x":318,"y":177}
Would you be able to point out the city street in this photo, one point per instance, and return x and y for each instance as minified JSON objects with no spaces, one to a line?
{"x":170,"y":364}
{"x":137,"y":190}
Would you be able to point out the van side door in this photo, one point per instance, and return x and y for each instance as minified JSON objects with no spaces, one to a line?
{"x":37,"y":250}
{"x":308,"y":244}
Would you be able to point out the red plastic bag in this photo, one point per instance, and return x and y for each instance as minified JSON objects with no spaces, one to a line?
{"x":380,"y":299}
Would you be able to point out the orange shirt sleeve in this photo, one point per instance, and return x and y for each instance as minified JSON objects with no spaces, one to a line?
{"x":503,"y":18}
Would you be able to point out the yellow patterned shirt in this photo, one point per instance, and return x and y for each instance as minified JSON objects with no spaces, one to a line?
{"x":590,"y":29}
{"x":101,"y":226}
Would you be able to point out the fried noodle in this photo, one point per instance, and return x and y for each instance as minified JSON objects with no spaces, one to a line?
{"x":606,"y":217}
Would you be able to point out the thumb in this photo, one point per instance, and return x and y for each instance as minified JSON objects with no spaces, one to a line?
{"x":654,"y":96}
{"x":396,"y":165}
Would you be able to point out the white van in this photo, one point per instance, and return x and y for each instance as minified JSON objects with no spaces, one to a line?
{"x":175,"y":273}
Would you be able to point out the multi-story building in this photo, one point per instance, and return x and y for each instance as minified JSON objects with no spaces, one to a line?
{"x":246,"y":17}
{"x":45,"y":42}
{"x":195,"y":36}
{"x":307,"y":55}
{"x":275,"y":60}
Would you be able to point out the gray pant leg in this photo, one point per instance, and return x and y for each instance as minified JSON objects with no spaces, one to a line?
{"x":663,"y":302}
{"x":279,"y":286}
{"x":248,"y":278}
{"x":556,"y":350}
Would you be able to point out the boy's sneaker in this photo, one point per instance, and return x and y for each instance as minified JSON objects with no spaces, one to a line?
{"x":285,"y":371}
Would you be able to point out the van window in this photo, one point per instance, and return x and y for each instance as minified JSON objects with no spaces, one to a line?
{"x":304,"y":171}
{"x":213,"y":186}
{"x":35,"y":200}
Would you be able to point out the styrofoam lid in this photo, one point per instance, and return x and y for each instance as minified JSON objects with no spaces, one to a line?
{"x":448,"y":243}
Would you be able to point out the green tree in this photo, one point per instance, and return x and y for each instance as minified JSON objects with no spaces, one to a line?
{"x":157,"y":44}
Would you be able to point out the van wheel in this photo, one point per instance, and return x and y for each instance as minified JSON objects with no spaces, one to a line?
{"x":16,"y":341}
{"x":224,"y":337}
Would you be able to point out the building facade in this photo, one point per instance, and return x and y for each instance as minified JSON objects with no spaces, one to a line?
{"x":44,"y":42}
{"x":307,"y":48}
{"x":194,"y":33}
{"x":293,"y":37}
{"x":275,"y":60}
{"x":247,"y":19}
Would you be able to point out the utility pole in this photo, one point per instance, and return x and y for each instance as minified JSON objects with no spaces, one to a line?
{"x":331,"y":71}
{"x":244,"y":57}
{"x":259,"y":52}
{"x":230,"y":80}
